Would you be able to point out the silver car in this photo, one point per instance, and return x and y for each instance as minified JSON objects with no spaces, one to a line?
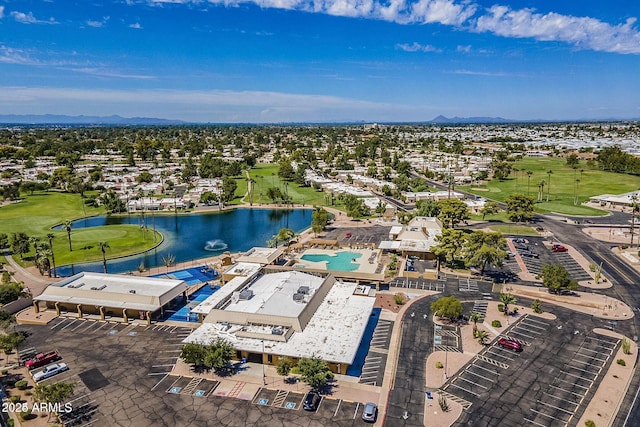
{"x":50,"y":371}
{"x":370,"y":412}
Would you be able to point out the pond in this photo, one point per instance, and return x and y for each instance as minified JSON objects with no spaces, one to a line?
{"x":195,"y":236}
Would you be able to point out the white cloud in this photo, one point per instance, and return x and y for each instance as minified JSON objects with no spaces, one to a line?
{"x":28,"y":18}
{"x":1,"y":12}
{"x":417,"y":47}
{"x":95,"y":24}
{"x":10,"y":55}
{"x":582,"y":32}
{"x":136,"y":25}
{"x":463,"y":49}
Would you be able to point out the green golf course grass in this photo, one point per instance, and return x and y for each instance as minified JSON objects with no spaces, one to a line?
{"x":37,"y":213}
{"x":266,"y":176}
{"x":563,"y":185}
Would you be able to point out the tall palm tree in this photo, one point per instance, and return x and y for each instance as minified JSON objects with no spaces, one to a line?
{"x":103,"y":248}
{"x":67,"y":226}
{"x":482,"y":336}
{"x":507,"y":299}
{"x":475,"y":317}
{"x":529,"y":173}
{"x":549,"y":172}
{"x":51,"y":236}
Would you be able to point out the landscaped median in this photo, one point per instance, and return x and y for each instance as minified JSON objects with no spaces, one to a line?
{"x":596,"y":305}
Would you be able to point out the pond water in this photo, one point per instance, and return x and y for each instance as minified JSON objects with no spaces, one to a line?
{"x":195,"y":236}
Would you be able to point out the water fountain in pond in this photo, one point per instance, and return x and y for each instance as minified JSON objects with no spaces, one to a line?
{"x":215,"y":245}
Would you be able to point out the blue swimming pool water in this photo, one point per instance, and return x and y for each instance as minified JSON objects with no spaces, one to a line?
{"x":356,"y":367}
{"x":182,"y":313}
{"x":192,"y":276}
{"x":341,"y":261}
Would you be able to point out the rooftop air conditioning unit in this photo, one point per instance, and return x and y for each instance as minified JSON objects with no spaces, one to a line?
{"x":297,"y":297}
{"x":245,"y":295}
{"x":303,"y":290}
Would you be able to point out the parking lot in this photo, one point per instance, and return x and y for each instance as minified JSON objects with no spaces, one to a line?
{"x":122,"y":378}
{"x":421,"y":284}
{"x":359,"y":235}
{"x":546,"y":256}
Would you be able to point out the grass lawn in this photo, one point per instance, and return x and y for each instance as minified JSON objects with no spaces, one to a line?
{"x":266,"y":176}
{"x":522,"y":230}
{"x":563,"y":185}
{"x":37,"y":213}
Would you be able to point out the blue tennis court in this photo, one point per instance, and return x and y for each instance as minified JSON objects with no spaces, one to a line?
{"x":192,"y":276}
{"x":182,"y":313}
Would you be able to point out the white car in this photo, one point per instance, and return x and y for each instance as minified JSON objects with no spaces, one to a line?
{"x":50,"y":371}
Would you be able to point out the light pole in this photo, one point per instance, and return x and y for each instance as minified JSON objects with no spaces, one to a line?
{"x":264,"y":377}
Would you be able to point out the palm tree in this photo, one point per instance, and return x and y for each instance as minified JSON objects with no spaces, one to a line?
{"x":482,"y":336}
{"x":507,"y":299}
{"x":475,"y":317}
{"x":67,"y":226}
{"x":51,"y":236}
{"x":529,"y":173}
{"x":168,"y":260}
{"x":103,"y":248}
{"x":541,"y":190}
{"x":549,"y":172}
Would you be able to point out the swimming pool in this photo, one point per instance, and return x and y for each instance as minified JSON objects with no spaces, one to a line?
{"x":191,"y":276}
{"x":341,"y":261}
{"x":182,"y":312}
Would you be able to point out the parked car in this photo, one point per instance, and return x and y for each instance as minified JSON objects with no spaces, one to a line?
{"x":311,"y":401}
{"x":521,"y":246}
{"x":529,"y":254}
{"x":50,"y":371}
{"x":520,"y":240}
{"x":559,"y":248}
{"x":42,"y":359}
{"x":510,"y":344}
{"x":347,"y":234}
{"x":370,"y":412}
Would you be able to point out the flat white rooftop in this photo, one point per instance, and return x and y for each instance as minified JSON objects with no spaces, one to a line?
{"x":114,"y":290}
{"x":261,"y":255}
{"x":244,"y":268}
{"x":333,"y":333}
{"x":220,"y":295}
{"x":273,"y":294}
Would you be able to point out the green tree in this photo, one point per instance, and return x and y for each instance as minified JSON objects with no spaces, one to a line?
{"x":218,"y":354}
{"x":475,"y":317}
{"x":428,"y":208}
{"x":490,"y":208}
{"x":556,"y":278}
{"x":4,"y":241}
{"x":285,"y":235}
{"x":144,"y":176}
{"x":519,"y":208}
{"x":50,"y":237}
{"x":55,"y":393}
{"x":314,"y":371}
{"x":11,"y":291}
{"x":485,"y":256}
{"x":67,"y":227}
{"x":112,"y":202}
{"x":453,"y":212}
{"x":103,"y":246}
{"x":450,"y":245}
{"x":229,"y":186}
{"x":20,"y":244}
{"x":536,"y":306}
{"x":319,"y":219}
{"x":283,"y":368}
{"x":507,"y":299}
{"x":448,"y":307}
{"x":193,"y":354}
{"x":549,"y":172}
{"x":482,"y":336}
{"x":208,"y":197}
{"x":285,"y":170}
{"x":354,"y":206}
{"x":11,"y":341}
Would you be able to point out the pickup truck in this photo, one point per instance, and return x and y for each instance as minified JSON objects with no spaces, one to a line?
{"x":42,"y":359}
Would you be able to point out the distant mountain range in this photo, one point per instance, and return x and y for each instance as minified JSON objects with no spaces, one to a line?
{"x":443,"y":119}
{"x":59,"y":119}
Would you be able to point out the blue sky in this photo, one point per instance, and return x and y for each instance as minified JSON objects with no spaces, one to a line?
{"x":321,"y":60}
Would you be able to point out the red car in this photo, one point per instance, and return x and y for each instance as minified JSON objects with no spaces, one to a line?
{"x":558,"y":248}
{"x":42,"y":359}
{"x":510,"y":344}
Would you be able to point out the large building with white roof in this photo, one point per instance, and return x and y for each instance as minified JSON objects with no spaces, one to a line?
{"x":112,"y":295}
{"x":276,"y":313}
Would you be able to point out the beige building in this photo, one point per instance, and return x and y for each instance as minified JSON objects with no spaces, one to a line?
{"x":111,"y":295}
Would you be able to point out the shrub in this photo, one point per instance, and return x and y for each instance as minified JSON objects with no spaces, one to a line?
{"x":4,"y":372}
{"x":21,"y":385}
{"x":439,"y":365}
{"x":496,"y":324}
{"x":26,"y":415}
{"x":536,"y":306}
{"x":399,"y":299}
{"x":501,"y":308}
{"x":626,"y":346}
{"x":15,"y":398}
{"x":590,"y":423}
{"x":11,"y":422}
{"x":621,"y":362}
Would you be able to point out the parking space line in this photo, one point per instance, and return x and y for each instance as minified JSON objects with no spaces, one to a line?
{"x":158,"y":383}
{"x":523,"y":334}
{"x":581,"y":377}
{"x":590,"y":350}
{"x":499,"y":354}
{"x":475,"y":365}
{"x":531,"y":319}
{"x":555,"y":407}
{"x":356,"y":411}
{"x":464,"y":389}
{"x":580,"y":369}
{"x":548,"y":416}
{"x":591,"y":357}
{"x":561,"y":389}
{"x":80,"y":325}
{"x":575,"y":384}
{"x":542,"y":328}
{"x":69,"y":324}
{"x":471,"y":382}
{"x":479,"y":376}
{"x":338,"y":408}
